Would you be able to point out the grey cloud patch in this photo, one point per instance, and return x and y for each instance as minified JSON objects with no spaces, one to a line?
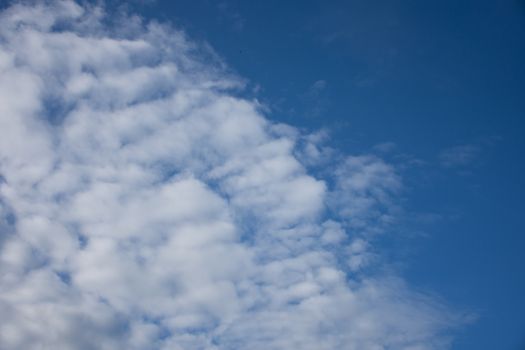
{"x":162,"y":212}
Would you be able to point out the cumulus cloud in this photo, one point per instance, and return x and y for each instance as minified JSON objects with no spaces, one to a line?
{"x":143,"y":205}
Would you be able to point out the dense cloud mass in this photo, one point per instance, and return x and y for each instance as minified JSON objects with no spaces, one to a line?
{"x":144,"y":205}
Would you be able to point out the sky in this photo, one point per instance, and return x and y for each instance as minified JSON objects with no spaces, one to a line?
{"x":262,"y":175}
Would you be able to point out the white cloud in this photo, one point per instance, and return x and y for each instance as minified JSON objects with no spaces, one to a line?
{"x":365,"y":188}
{"x":144,"y":206}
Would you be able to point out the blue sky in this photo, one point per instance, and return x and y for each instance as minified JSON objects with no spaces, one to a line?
{"x":139,"y":158}
{"x":427,"y":77}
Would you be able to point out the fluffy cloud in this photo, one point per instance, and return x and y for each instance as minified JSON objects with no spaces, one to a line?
{"x":144,"y":206}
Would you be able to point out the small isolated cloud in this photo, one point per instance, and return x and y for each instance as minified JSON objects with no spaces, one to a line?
{"x":459,"y":156}
{"x":143,"y":205}
{"x":318,"y":86}
{"x":233,"y":16}
{"x":384,"y":147}
{"x":315,"y":99}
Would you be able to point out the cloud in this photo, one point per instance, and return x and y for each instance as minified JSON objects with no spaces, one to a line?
{"x":236,"y":20}
{"x":144,"y":205}
{"x":459,"y":156}
{"x":318,"y":86}
{"x":316,"y":99}
{"x":385,"y":147}
{"x":364,"y":192}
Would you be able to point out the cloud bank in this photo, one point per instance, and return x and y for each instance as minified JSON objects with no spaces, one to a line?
{"x":144,"y":205}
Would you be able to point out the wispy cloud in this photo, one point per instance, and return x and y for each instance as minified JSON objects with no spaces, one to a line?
{"x":233,"y":16}
{"x":459,"y":156}
{"x":145,"y":206}
{"x":385,"y":147}
{"x":318,"y":86}
{"x":316,"y":99}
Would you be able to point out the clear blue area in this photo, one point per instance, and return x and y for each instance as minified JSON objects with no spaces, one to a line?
{"x":426,"y":76}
